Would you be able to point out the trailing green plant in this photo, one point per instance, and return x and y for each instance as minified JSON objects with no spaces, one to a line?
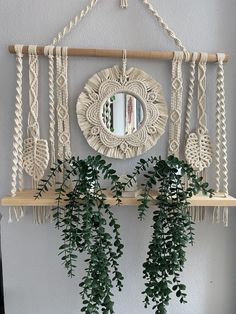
{"x":84,"y":218}
{"x":172,"y":225}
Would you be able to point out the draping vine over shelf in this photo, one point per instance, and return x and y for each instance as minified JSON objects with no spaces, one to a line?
{"x":80,"y":214}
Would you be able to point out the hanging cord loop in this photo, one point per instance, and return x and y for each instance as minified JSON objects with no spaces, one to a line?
{"x":73,"y":23}
{"x":164,"y":26}
{"x":124,"y":67}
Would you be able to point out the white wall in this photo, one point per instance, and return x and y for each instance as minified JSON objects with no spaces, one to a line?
{"x":35,"y":282}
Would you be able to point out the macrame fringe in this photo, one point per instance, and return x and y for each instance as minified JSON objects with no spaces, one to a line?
{"x":124,"y":4}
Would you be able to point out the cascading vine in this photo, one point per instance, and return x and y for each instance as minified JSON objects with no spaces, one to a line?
{"x":84,"y":218}
{"x":172,"y":226}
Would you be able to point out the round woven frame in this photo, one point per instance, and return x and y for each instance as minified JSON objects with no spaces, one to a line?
{"x":97,"y":91}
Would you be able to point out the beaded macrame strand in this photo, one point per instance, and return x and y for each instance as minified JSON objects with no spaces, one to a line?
{"x":221,"y":159}
{"x":17,"y":168}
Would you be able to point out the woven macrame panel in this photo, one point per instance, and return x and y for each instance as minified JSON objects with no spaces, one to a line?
{"x":99,"y":89}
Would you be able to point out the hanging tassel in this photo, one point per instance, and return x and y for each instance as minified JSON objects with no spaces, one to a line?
{"x":124,"y":4}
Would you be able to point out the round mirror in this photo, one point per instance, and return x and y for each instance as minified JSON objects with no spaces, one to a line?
{"x":123,"y":114}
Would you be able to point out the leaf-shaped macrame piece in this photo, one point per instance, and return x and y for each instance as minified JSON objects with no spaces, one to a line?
{"x":36,"y":157}
{"x":198,"y":151}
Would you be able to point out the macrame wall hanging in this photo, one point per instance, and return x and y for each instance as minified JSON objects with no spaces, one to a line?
{"x":34,"y":154}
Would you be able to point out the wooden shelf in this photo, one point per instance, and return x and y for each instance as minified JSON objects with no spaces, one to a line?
{"x":26,"y":199}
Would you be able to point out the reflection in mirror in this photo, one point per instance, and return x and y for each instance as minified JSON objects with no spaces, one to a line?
{"x":123,"y":114}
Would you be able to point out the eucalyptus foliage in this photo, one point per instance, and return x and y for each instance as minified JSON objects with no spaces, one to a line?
{"x":84,"y":218}
{"x":172,"y":226}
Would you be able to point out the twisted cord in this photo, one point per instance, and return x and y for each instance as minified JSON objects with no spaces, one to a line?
{"x":221,"y":95}
{"x":52,"y":123}
{"x":73,"y":23}
{"x":220,"y":78}
{"x":176,"y":104}
{"x":190,"y":95}
{"x":17,"y":168}
{"x":202,"y":93}
{"x":164,"y":26}
{"x":124,"y":4}
{"x":218,"y":132}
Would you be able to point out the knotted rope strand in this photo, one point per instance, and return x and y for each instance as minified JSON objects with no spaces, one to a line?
{"x":73,"y":23}
{"x":176,"y":104}
{"x":17,"y":168}
{"x":190,"y":94}
{"x":164,"y":26}
{"x":221,"y":156}
{"x":49,"y":52}
{"x":64,"y":147}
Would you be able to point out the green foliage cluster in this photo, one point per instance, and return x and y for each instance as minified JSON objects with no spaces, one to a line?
{"x":172,"y":226}
{"x":84,"y":218}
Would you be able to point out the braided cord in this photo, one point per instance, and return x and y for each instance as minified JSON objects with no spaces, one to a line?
{"x":17,"y":168}
{"x":52,"y":123}
{"x":221,"y":96}
{"x":221,"y":156}
{"x":176,"y":104}
{"x":164,"y":26}
{"x":73,"y":23}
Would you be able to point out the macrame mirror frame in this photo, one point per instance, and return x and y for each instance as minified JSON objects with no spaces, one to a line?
{"x":104,"y":85}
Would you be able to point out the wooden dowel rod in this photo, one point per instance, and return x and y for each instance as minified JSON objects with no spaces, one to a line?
{"x":108,"y":53}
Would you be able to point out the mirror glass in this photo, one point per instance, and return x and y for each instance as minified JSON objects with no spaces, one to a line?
{"x":123,"y":114}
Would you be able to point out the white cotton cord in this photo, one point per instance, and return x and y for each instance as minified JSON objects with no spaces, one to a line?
{"x":124,"y":4}
{"x":33,"y":126}
{"x":221,"y":155}
{"x":36,"y":152}
{"x":48,"y":51}
{"x":176,"y":104}
{"x":73,"y":23}
{"x":164,"y":26}
{"x":202,"y":66}
{"x":190,"y":95}
{"x":63,"y":124}
{"x":17,"y":168}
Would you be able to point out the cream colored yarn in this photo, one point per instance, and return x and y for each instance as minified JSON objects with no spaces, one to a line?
{"x":164,"y":26}
{"x":48,"y":51}
{"x":73,"y":23}
{"x":17,"y":168}
{"x":63,"y":121}
{"x":221,"y":159}
{"x":99,"y":89}
{"x":198,"y":151}
{"x":36,"y":153}
{"x":176,"y":104}
{"x":124,"y":4}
